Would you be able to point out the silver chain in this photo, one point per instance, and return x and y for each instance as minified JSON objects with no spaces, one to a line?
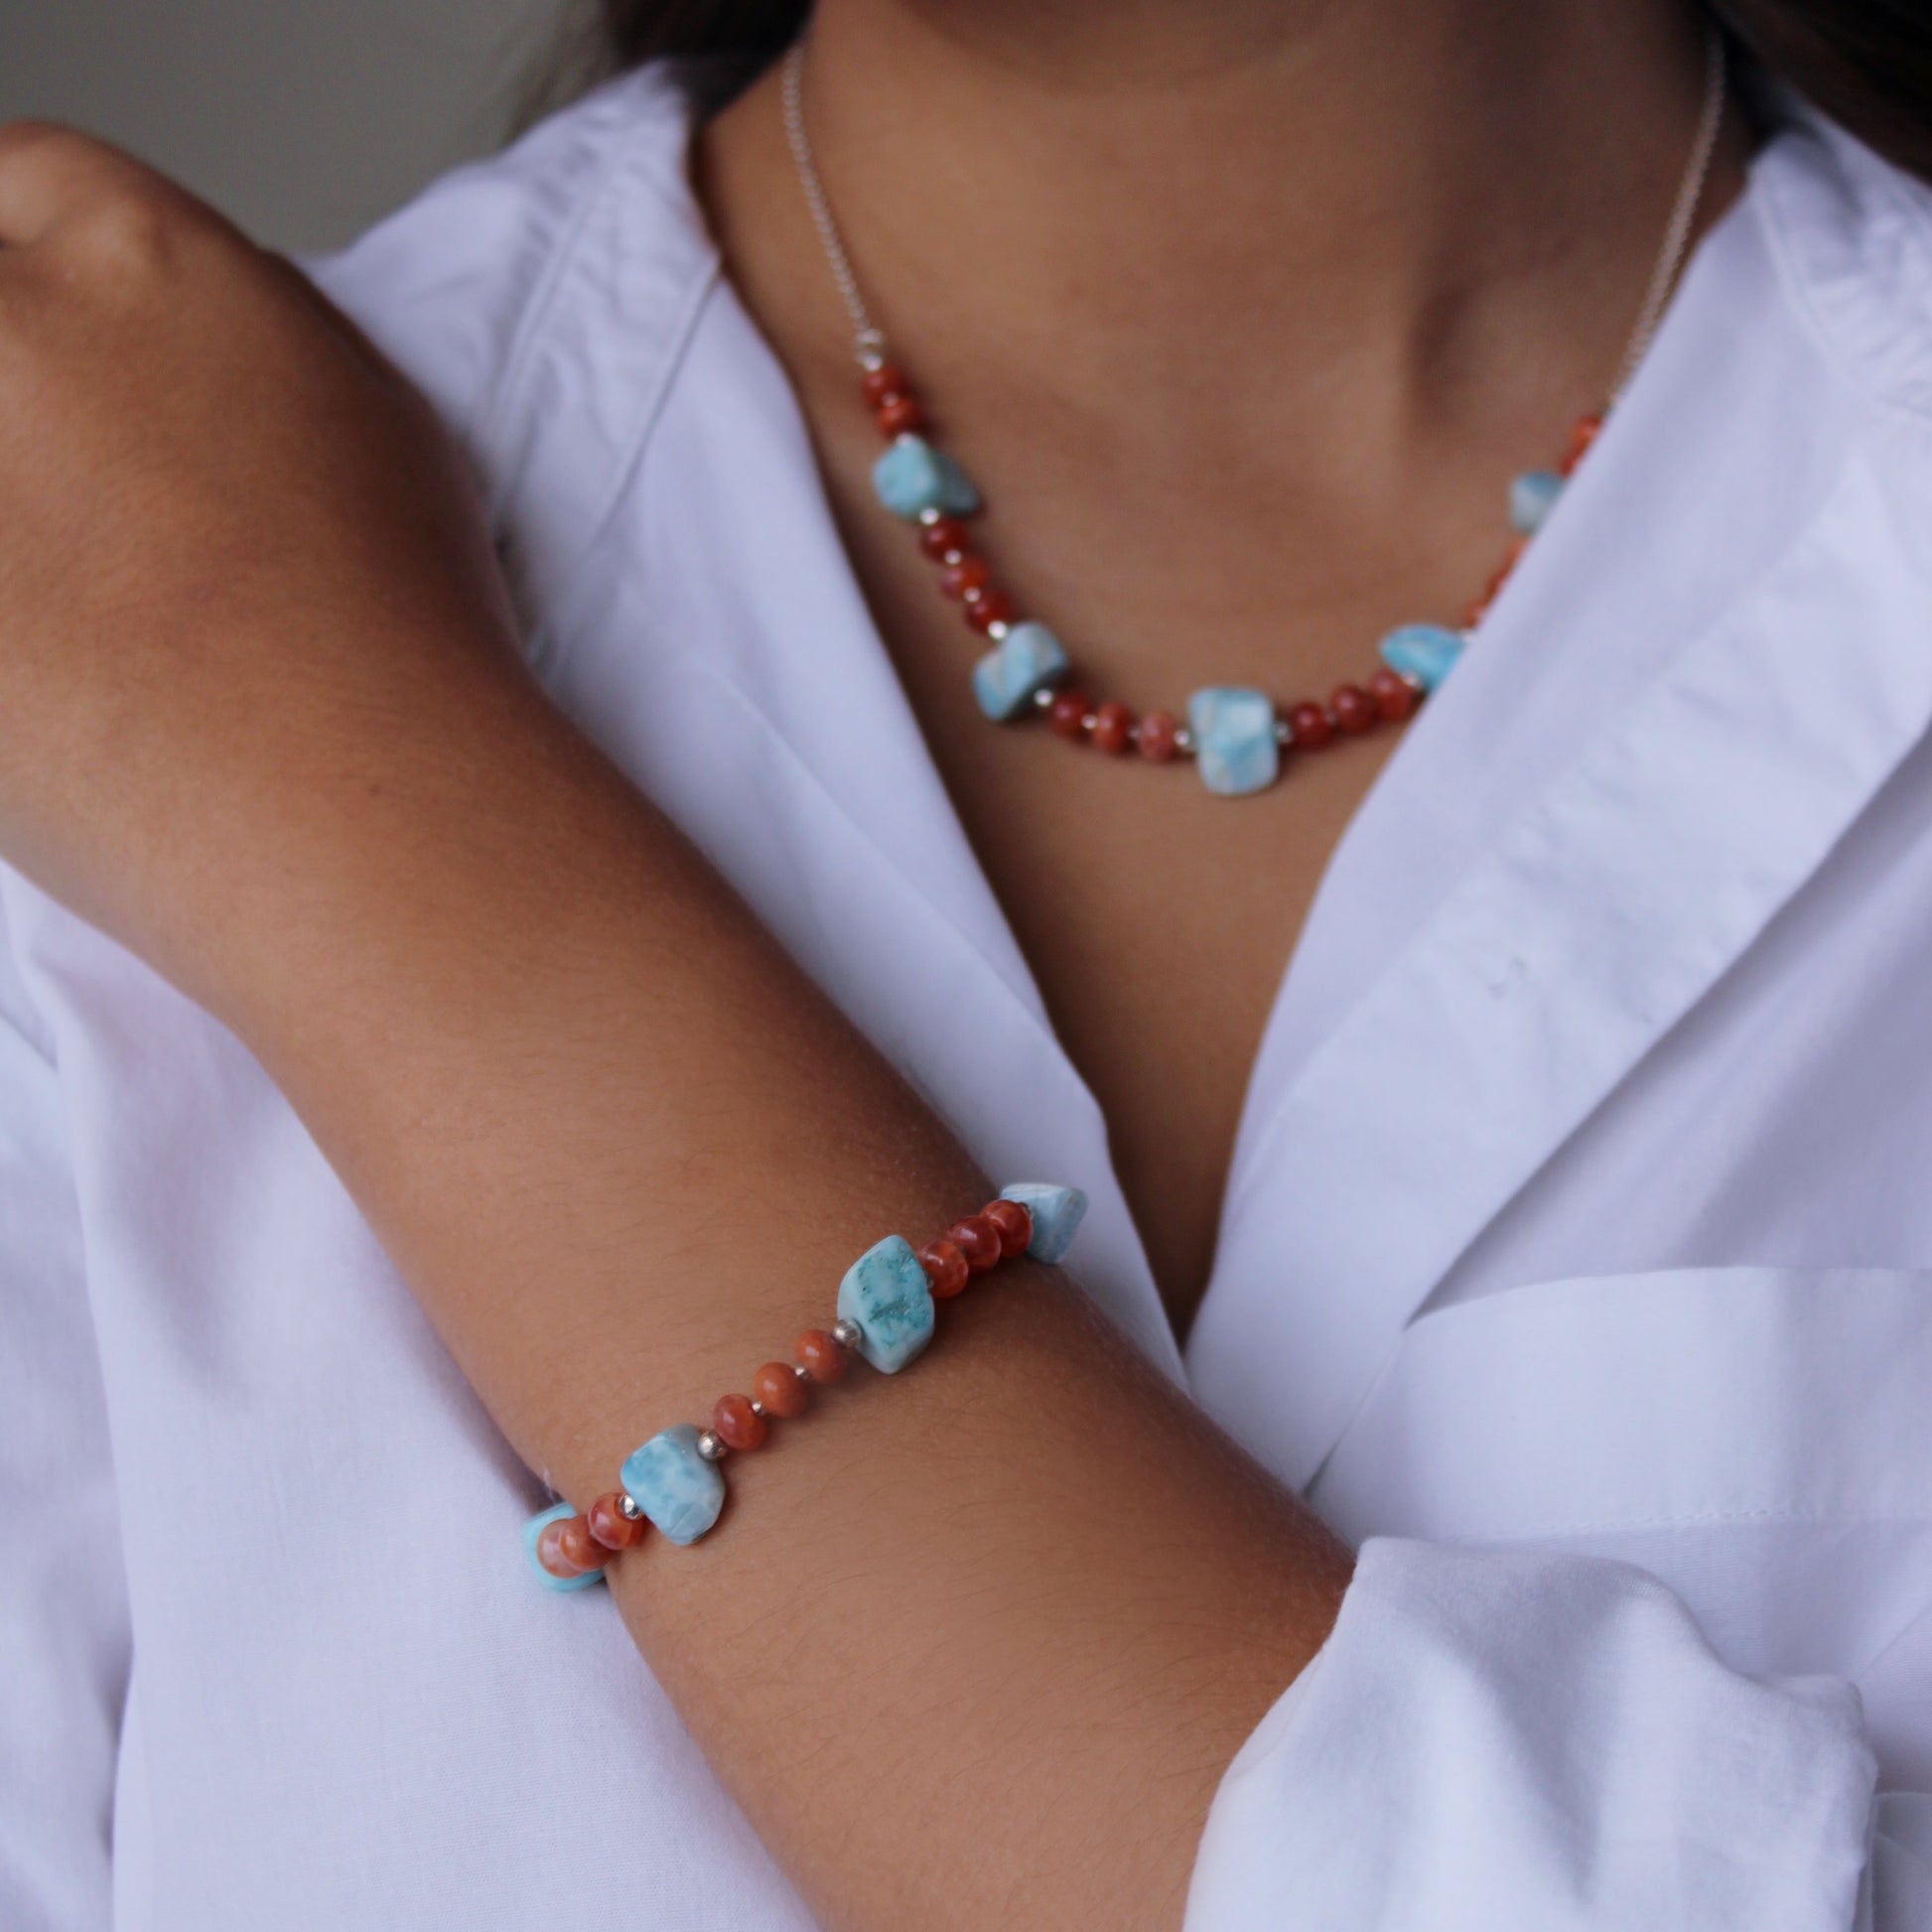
{"x":869,"y":341}
{"x":1684,"y":210}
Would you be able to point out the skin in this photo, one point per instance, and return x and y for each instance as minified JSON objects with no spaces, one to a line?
{"x":1026,"y":1590}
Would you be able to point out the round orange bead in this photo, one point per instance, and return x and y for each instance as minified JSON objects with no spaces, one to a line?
{"x":1016,"y":1226}
{"x":1068,"y":714}
{"x":819,"y":1356}
{"x":779,"y":1390}
{"x":1354,"y":710}
{"x":1580,"y":437}
{"x":944,"y":538}
{"x":1112,"y":727}
{"x":962,"y":579}
{"x":1158,"y":738}
{"x":899,"y":416}
{"x":989,"y":608}
{"x":945,"y":1268}
{"x":612,"y":1528}
{"x":1393,"y":695}
{"x":978,"y":1239}
{"x":576,"y":1544}
{"x":738,"y":1425}
{"x":1311,"y":726}
{"x":550,"y":1553}
{"x":883,"y":383}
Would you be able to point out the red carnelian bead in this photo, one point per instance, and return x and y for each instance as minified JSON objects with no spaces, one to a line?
{"x":943,"y":540}
{"x":1159,"y":735}
{"x":900,"y":416}
{"x":819,"y":1356}
{"x":1475,"y":614}
{"x":1393,"y":695}
{"x":1310,"y":724}
{"x":738,"y":1425}
{"x":988,"y":609}
{"x":1016,"y":1226}
{"x":779,"y":1390}
{"x":969,"y":573}
{"x":1112,"y":726}
{"x":550,"y":1553}
{"x":1067,"y":714}
{"x":883,"y":383}
{"x":576,"y":1544}
{"x":1580,"y":437}
{"x":978,"y":1239}
{"x":1354,"y":710}
{"x":612,"y":1528}
{"x":945,"y":1268}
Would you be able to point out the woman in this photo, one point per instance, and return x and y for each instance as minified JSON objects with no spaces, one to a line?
{"x":1552,"y":1237}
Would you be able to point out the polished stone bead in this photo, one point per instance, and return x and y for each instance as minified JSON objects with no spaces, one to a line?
{"x":1067,"y":716}
{"x":558,"y":1513}
{"x":674,"y":1485}
{"x":913,"y":478}
{"x":780,"y":1391}
{"x":1426,"y":652}
{"x":880,"y":384}
{"x":1029,"y":659}
{"x":1395,"y":697}
{"x":1532,"y":496}
{"x":900,"y":416}
{"x":1158,"y":741}
{"x":886,"y":1293}
{"x":978,"y":1239}
{"x":1057,"y":1214}
{"x":1016,"y":1226}
{"x":1112,"y":728}
{"x":611,"y":1526}
{"x":1353,"y":709}
{"x":1311,"y":727}
{"x":736,"y":1424}
{"x":945,"y":1268}
{"x":819,"y":1356}
{"x":1234,"y":738}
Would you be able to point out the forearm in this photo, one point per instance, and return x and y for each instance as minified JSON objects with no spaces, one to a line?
{"x":972,"y":1647}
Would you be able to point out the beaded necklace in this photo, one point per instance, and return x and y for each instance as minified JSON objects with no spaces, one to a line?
{"x":1236,"y":736}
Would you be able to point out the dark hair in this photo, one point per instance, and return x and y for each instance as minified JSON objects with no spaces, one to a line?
{"x":1866,"y":62}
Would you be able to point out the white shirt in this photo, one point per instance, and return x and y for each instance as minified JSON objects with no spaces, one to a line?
{"x":1577,"y":1251}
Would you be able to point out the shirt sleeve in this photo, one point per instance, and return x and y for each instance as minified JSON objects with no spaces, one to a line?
{"x":1526,"y":1743}
{"x":64,"y":1613}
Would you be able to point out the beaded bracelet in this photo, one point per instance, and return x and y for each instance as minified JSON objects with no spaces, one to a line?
{"x":887,"y":1311}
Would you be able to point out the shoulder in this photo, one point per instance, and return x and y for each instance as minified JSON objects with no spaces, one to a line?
{"x":465,"y":286}
{"x":1851,"y":234}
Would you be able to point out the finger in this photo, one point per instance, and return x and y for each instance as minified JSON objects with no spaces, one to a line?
{"x":50,"y":174}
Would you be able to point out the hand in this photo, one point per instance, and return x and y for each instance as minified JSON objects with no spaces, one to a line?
{"x":233,"y":544}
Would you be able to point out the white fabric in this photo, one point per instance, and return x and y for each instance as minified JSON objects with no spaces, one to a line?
{"x":1578,"y":1254}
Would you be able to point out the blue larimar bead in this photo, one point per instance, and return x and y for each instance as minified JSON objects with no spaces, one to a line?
{"x":673,"y":1485}
{"x":1424,"y":651}
{"x":886,"y":1293}
{"x":534,"y":1528}
{"x":1056,"y":1212}
{"x":1027,"y":661}
{"x":913,"y":478}
{"x":1532,"y":496}
{"x":1234,"y":738}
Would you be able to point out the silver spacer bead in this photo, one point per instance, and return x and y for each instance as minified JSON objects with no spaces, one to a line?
{"x":759,"y":1409}
{"x":997,"y":629}
{"x":847,"y":1332}
{"x":928,"y":516}
{"x":1415,"y":683}
{"x":1284,"y":732}
{"x":1043,"y":698}
{"x":802,"y":1373}
{"x":711,"y":1446}
{"x":629,"y":1508}
{"x":1184,"y":743}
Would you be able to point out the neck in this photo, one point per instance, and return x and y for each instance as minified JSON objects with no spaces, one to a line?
{"x":1399,"y":197}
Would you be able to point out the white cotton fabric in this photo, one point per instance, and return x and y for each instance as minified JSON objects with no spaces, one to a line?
{"x":1576,"y":1260}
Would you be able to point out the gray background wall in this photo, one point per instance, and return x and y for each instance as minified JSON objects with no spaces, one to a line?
{"x":304,"y":119}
